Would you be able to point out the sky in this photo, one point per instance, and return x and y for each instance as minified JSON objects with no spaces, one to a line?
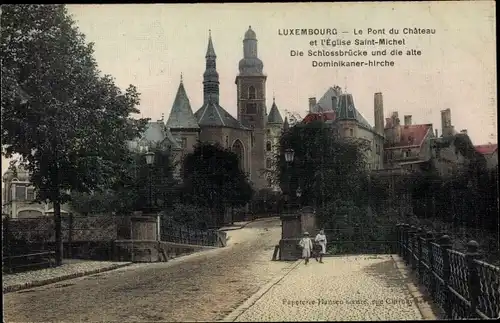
{"x":150,"y":45}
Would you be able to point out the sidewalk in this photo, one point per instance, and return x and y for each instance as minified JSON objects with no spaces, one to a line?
{"x":71,"y":268}
{"x":360,"y":288}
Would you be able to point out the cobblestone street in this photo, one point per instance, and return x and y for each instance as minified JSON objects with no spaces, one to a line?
{"x":362,"y":288}
{"x":205,"y":286}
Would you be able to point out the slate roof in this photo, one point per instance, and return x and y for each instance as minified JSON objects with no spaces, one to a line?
{"x":345,"y":109}
{"x":181,"y":114}
{"x":212,"y":114}
{"x":486,"y":149}
{"x":412,"y":135}
{"x":274,"y":115}
{"x":155,"y":133}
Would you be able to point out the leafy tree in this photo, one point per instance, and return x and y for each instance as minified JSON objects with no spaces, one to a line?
{"x":324,"y":166}
{"x":68,"y":124}
{"x":213,"y":179}
{"x":131,"y":191}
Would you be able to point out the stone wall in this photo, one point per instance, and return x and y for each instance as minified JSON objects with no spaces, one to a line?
{"x":152,"y":251}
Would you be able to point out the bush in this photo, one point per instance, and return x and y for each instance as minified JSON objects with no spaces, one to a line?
{"x":189,"y":215}
{"x":351,"y":228}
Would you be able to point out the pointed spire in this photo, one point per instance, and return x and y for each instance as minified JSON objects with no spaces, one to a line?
{"x":210,"y":49}
{"x":181,"y":116}
{"x":274,"y":115}
{"x":181,"y":77}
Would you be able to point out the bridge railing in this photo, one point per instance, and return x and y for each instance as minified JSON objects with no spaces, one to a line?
{"x":461,"y":284}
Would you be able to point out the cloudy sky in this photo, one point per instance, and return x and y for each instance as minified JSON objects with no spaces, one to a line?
{"x":150,"y":45}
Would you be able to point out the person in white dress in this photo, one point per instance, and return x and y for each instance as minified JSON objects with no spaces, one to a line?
{"x":307,"y":245}
{"x":321,"y":240}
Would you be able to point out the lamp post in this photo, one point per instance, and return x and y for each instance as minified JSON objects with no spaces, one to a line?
{"x":289,"y":154}
{"x":150,"y":159}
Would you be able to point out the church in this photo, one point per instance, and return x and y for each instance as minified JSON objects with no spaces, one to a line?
{"x":253,"y":134}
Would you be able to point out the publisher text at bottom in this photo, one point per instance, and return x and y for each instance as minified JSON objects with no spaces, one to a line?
{"x":369,"y":63}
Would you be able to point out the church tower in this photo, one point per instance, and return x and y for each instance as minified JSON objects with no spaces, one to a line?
{"x":210,"y":77}
{"x":251,"y":91}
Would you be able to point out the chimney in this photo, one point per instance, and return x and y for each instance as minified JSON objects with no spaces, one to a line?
{"x":378,"y":110}
{"x":446,"y":127}
{"x":464,"y":131}
{"x":334,"y":103}
{"x":312,"y":103}
{"x":407,"y":120}
{"x":437,"y":133}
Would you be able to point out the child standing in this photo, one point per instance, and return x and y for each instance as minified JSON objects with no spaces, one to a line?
{"x":321,"y":240}
{"x":307,"y":246}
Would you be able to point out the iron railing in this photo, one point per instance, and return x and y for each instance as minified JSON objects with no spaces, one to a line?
{"x":461,"y":284}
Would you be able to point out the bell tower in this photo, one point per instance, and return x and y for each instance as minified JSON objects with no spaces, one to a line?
{"x":251,"y":101}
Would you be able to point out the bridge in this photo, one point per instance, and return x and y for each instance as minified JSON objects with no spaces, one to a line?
{"x":407,"y":274}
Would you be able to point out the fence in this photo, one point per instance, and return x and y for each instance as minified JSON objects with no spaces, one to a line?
{"x":83,"y":237}
{"x":171,"y":231}
{"x":461,"y":284}
{"x":361,"y":239}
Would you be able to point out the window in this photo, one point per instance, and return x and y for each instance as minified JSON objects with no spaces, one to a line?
{"x":268,"y":146}
{"x":24,"y":193}
{"x":351,"y":132}
{"x":227,"y":141}
{"x":407,"y":153}
{"x":268,"y":131}
{"x":268,"y":163}
{"x":251,"y":93}
{"x":30,"y":193}
{"x":20,"y":192}
{"x":251,"y":108}
{"x":183,"y":142}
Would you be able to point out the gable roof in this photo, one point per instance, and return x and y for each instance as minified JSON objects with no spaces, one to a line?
{"x":212,"y":114}
{"x":486,"y":149}
{"x":412,"y":135}
{"x":181,"y":114}
{"x":274,"y":115}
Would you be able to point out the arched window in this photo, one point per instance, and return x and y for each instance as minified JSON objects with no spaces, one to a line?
{"x":251,"y":93}
{"x":268,"y":146}
{"x":239,"y":151}
{"x":268,"y":163}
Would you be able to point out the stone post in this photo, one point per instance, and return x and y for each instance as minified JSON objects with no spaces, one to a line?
{"x":473,"y":277}
{"x":445,"y":245}
{"x":430,"y":255}
{"x":308,"y":221}
{"x":290,"y":236}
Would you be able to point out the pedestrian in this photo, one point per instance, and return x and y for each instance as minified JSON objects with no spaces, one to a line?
{"x":321,"y":241}
{"x":307,"y":246}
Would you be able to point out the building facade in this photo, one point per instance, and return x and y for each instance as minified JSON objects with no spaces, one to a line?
{"x":339,"y":111}
{"x":18,"y":196}
{"x":250,"y":133}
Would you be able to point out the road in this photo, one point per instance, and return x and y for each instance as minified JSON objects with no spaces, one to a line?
{"x":204,"y":286}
